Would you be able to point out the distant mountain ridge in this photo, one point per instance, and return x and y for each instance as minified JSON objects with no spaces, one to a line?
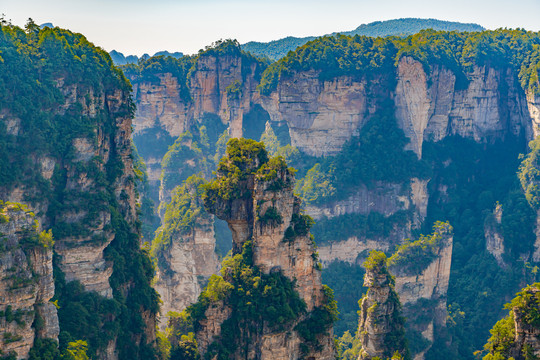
{"x":277,"y":49}
{"x":120,"y":59}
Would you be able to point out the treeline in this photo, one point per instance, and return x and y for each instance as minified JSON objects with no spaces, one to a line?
{"x":362,"y":56}
{"x":147,"y":69}
{"x":53,"y":88}
{"x":278,"y":49}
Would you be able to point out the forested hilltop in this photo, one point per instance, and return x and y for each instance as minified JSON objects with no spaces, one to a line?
{"x":401,"y":171}
{"x":391,"y":138}
{"x":277,"y":49}
{"x":75,"y":283}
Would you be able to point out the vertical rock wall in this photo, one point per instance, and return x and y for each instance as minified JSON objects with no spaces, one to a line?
{"x":26,"y":281}
{"x":267,"y":213}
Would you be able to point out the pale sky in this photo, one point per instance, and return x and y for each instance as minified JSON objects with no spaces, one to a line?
{"x":137,"y":26}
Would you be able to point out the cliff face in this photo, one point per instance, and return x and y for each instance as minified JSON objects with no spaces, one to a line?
{"x":192,"y":260}
{"x":221,"y":86}
{"x":493,"y":235}
{"x":27,"y":283}
{"x":265,"y":215}
{"x":67,"y":156}
{"x":430,"y":102}
{"x":533,"y":105}
{"x":425,"y":291}
{"x":225,"y":86}
{"x":321,"y":115}
{"x":517,"y":335}
{"x":81,"y":258}
{"x":380,"y":327}
{"x":186,"y":258}
{"x":382,"y":198}
{"x":490,"y":107}
{"x":527,"y":332}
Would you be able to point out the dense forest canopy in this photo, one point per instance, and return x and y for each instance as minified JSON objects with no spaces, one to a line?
{"x":360,"y":56}
{"x":277,"y":49}
{"x":49,"y":79}
{"x":146,"y":69}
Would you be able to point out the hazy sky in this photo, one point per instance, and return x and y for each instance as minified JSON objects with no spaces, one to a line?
{"x":147,"y":26}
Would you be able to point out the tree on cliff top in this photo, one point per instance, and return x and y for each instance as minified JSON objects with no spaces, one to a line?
{"x":516,"y":335}
{"x":381,"y":330}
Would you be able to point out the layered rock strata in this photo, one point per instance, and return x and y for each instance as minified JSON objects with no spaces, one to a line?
{"x":266,"y":213}
{"x":493,"y":235}
{"x":220,"y":85}
{"x":527,"y":334}
{"x":383,"y":198}
{"x":425,"y":292}
{"x":380,"y":328}
{"x":187,"y":258}
{"x":26,"y":281}
{"x":69,"y":149}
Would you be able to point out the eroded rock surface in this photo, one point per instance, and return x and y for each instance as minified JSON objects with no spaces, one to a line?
{"x":26,"y":281}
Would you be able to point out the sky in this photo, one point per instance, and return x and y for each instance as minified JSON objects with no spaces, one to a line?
{"x":138,"y":27}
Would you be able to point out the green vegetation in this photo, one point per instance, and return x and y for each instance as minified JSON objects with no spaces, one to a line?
{"x":182,"y":216}
{"x":529,"y":174}
{"x":299,"y":226}
{"x":413,"y":257}
{"x":256,"y":300}
{"x":40,"y":70}
{"x":373,"y":226}
{"x":277,"y":49}
{"x":377,"y":154}
{"x":501,"y":345}
{"x":475,"y":177}
{"x":48,"y":349}
{"x":30,"y":237}
{"x":345,"y":280}
{"x":334,"y":56}
{"x":184,"y":159}
{"x":377,"y":262}
{"x":153,"y":142}
{"x":234,"y":91}
{"x":527,"y":303}
{"x":146,"y":206}
{"x":194,"y":152}
{"x":148,"y":70}
{"x":33,"y":63}
{"x":394,"y":342}
{"x":318,"y":323}
{"x":363,"y":57}
{"x":244,"y":158}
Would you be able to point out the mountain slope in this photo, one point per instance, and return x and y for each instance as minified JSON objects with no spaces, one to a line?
{"x":277,"y":49}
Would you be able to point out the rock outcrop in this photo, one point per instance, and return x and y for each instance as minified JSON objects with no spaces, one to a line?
{"x":382,"y":198}
{"x":221,"y":84}
{"x":321,"y":115}
{"x":494,"y":238}
{"x":263,"y":214}
{"x":381,"y":325}
{"x":68,"y":156}
{"x":517,"y":335}
{"x":533,"y":104}
{"x":527,"y":329}
{"x":482,"y":111}
{"x":424,"y":290}
{"x":185,"y":250}
{"x":26,"y":281}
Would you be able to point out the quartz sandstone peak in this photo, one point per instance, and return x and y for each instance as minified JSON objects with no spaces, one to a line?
{"x":254,"y":195}
{"x":381,"y":326}
{"x":184,"y":249}
{"x":27,"y":283}
{"x":517,"y":335}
